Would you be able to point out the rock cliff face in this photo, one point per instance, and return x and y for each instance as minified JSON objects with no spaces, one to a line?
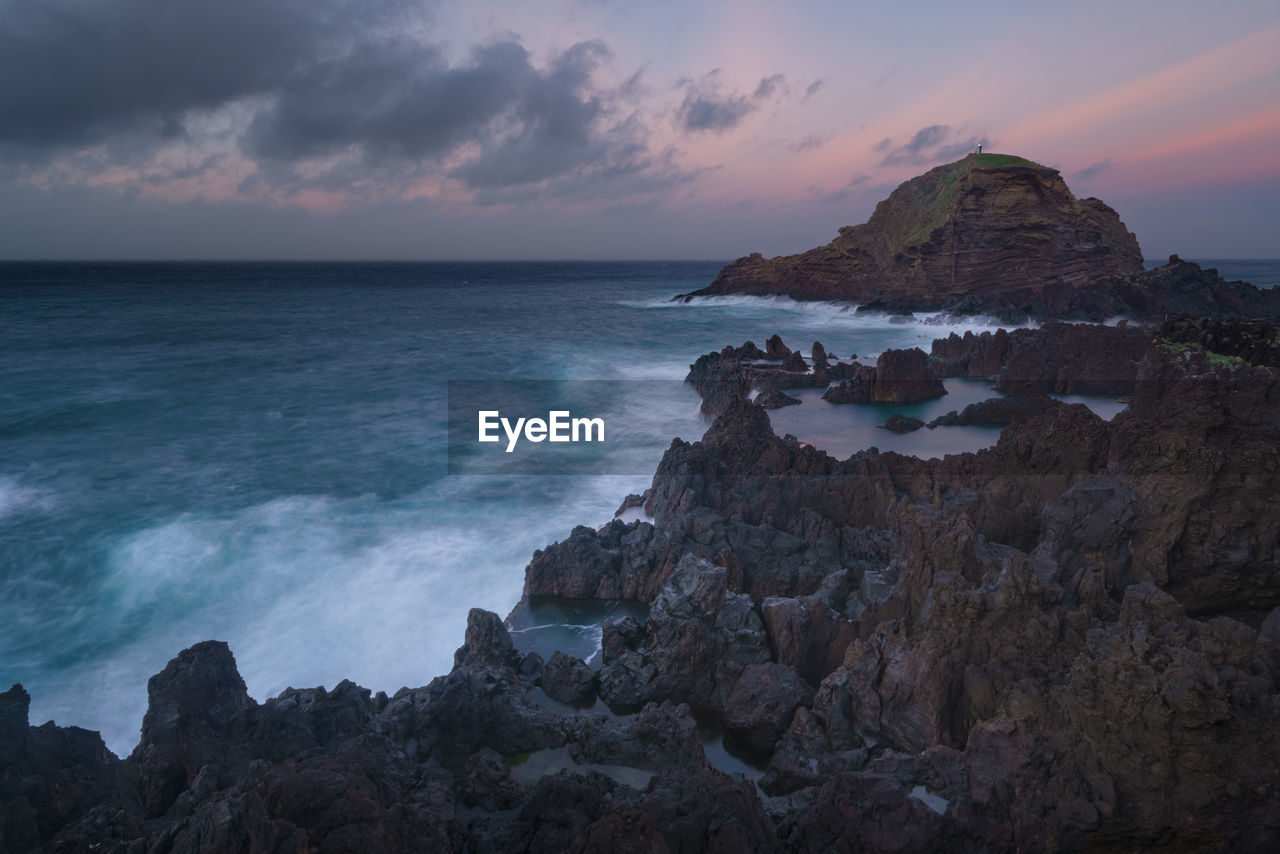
{"x":974,"y":228}
{"x":1061,"y":642}
{"x":1057,"y":358}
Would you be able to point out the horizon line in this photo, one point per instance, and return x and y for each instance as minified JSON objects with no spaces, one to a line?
{"x":355,"y":260}
{"x":620,"y":260}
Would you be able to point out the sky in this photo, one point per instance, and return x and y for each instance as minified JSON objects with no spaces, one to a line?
{"x":560,"y":129}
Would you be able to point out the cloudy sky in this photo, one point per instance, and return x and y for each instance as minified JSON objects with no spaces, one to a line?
{"x":606,"y":129}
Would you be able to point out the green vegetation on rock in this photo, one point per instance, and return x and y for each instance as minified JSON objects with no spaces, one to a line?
{"x":935,"y":196}
{"x":1002,"y":161}
{"x":1226,"y":343}
{"x":1217,"y":360}
{"x":931,"y":198}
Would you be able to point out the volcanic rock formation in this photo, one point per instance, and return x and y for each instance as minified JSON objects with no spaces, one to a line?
{"x":1065,"y":641}
{"x":997,"y":235}
{"x":982,"y":225}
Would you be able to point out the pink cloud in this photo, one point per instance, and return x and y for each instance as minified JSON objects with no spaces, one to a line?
{"x":1133,"y":116}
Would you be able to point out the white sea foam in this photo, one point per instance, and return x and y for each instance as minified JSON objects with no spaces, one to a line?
{"x":17,"y":499}
{"x":674,"y":368}
{"x":309,"y":590}
{"x":634,"y":514}
{"x":740,"y":301}
{"x":827,"y":315}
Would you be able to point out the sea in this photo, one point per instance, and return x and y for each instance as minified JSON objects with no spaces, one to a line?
{"x":259,"y":453}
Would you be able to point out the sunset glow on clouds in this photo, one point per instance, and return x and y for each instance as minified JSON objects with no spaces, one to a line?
{"x":337,"y":128}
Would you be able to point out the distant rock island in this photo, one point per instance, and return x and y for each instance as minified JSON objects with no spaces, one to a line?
{"x":993,"y":234}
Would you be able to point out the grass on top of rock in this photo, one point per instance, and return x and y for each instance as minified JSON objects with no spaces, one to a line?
{"x":936,"y":190}
{"x":1217,"y":360}
{"x":934,"y":198}
{"x":1002,"y":161}
{"x":1227,"y":342}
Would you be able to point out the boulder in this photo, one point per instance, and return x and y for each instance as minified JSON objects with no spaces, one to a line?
{"x":998,"y":411}
{"x":487,"y":644}
{"x":795,"y":363}
{"x":567,"y":679}
{"x":775,"y":349}
{"x":903,"y":376}
{"x":775,"y":399}
{"x":618,"y":561}
{"x":761,"y":704}
{"x":899,"y":423}
{"x":900,"y":376}
{"x":699,"y":638}
{"x":197,"y":708}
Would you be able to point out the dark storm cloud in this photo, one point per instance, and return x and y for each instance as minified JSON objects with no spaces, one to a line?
{"x":707,"y":108}
{"x":402,"y":100}
{"x":928,"y":145}
{"x":398,"y":99}
{"x":555,"y":116}
{"x":1093,"y":170}
{"x":334,"y":79}
{"x":75,"y":71}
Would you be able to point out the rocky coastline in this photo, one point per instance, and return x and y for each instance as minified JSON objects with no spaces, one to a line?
{"x":1067,"y":641}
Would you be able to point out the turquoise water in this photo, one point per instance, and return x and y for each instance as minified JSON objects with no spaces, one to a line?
{"x":257,"y":453}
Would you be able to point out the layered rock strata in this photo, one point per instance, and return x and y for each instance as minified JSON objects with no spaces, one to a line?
{"x":995,"y":235}
{"x":982,"y":225}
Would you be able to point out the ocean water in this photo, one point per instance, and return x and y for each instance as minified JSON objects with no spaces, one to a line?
{"x":257,"y":453}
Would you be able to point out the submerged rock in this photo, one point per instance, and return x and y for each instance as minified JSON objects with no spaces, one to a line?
{"x":774,"y":399}
{"x":899,"y":423}
{"x":998,"y":411}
